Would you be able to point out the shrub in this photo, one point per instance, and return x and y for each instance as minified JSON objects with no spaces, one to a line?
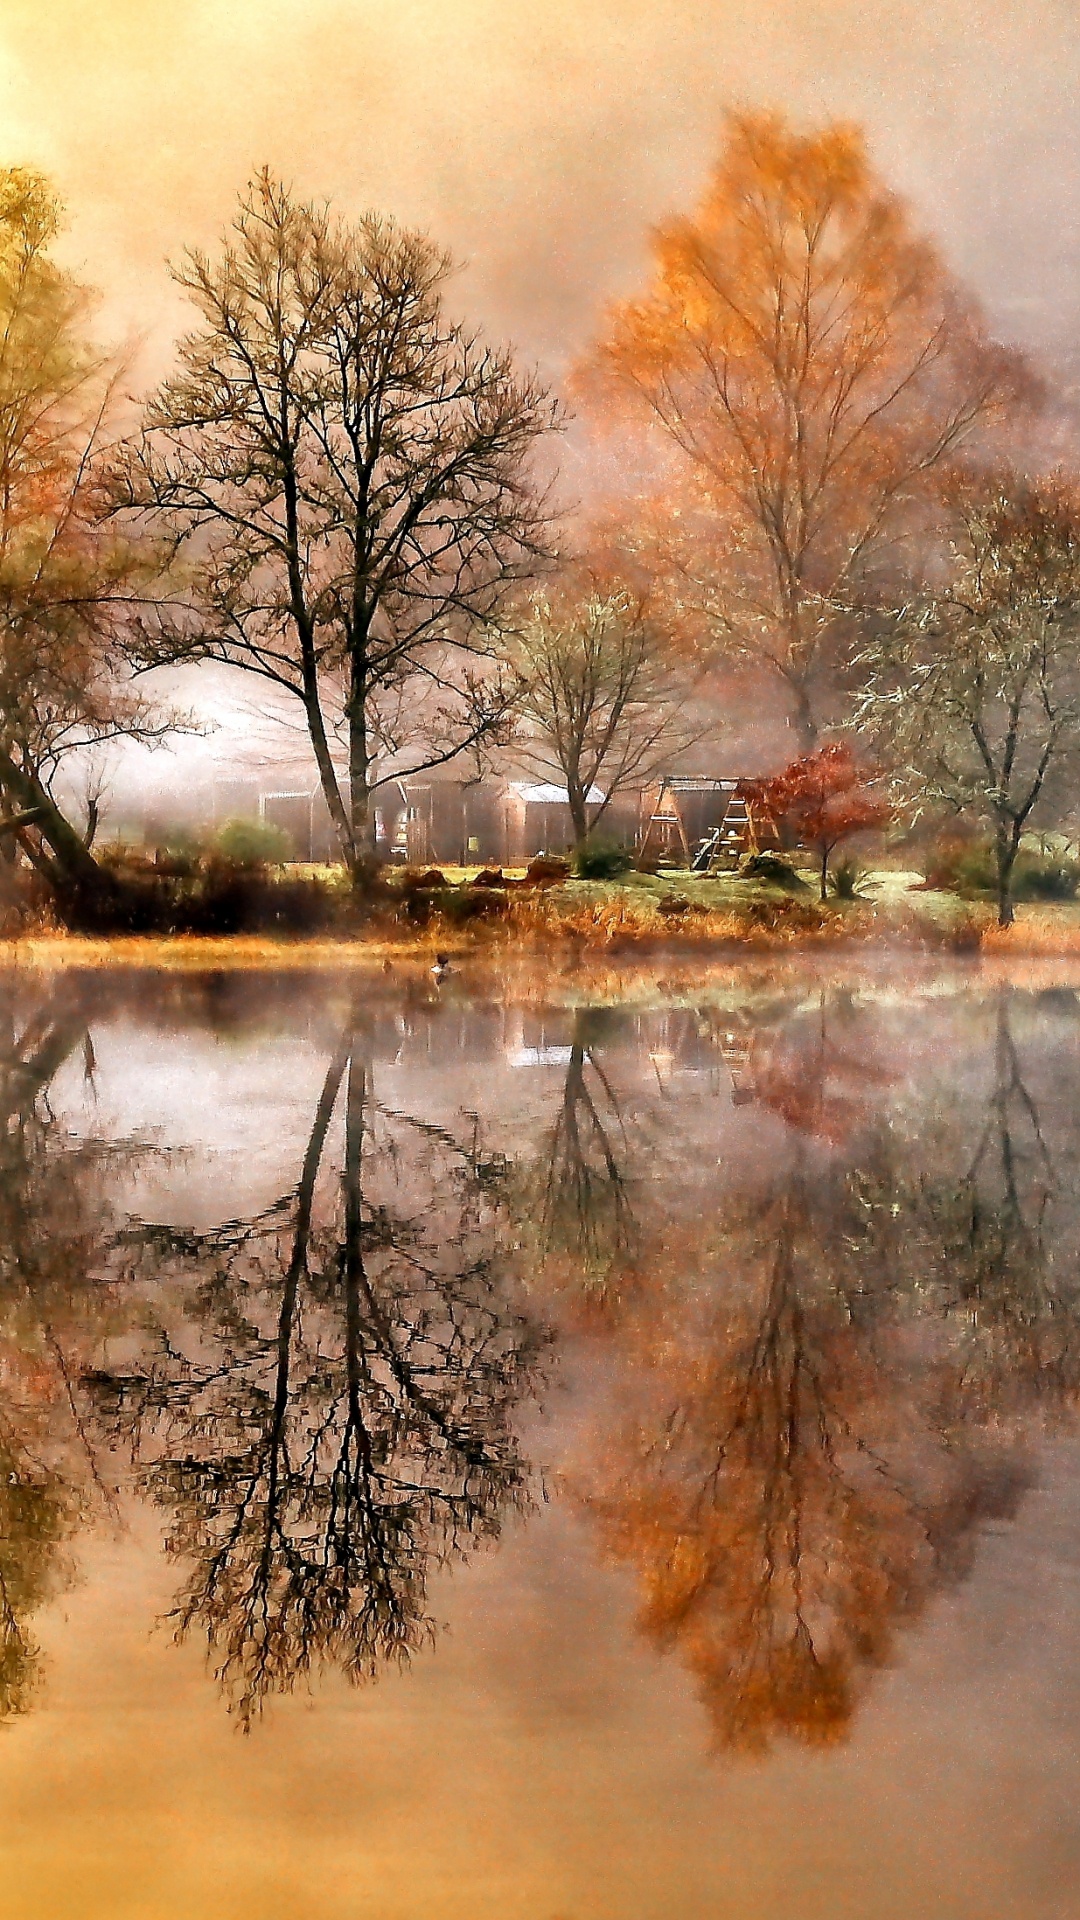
{"x":1041,"y":876}
{"x":601,"y":860}
{"x":219,"y":897}
{"x":457,"y":905}
{"x":770,"y":867}
{"x":547,"y":869}
{"x":955,"y":864}
{"x":968,"y":867}
{"x":252,"y":843}
{"x":846,"y":879}
{"x":26,"y":903}
{"x":788,"y":917}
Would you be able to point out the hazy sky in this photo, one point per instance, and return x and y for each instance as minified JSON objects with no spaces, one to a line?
{"x":539,"y":138}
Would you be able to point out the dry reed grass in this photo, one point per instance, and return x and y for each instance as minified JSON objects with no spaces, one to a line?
{"x":562,"y":927}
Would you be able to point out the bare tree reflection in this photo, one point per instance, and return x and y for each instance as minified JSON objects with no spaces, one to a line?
{"x":334,"y":1416}
{"x":842,"y":1338}
{"x":575,"y":1193}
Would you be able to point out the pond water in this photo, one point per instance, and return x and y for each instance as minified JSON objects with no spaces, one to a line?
{"x":486,"y":1455}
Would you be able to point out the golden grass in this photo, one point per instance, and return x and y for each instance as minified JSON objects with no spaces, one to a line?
{"x":561,"y":925}
{"x":183,"y":953}
{"x":636,"y":919}
{"x":1034,"y":931}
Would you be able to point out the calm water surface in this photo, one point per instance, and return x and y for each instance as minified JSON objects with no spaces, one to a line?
{"x":499,"y":1458}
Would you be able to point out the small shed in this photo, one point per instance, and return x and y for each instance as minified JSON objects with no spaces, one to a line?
{"x":303,"y":814}
{"x":538,"y":819}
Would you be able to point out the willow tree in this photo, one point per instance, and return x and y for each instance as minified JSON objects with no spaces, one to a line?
{"x":973,"y":691}
{"x":796,"y":371}
{"x":348,"y":473}
{"x":72,"y":589}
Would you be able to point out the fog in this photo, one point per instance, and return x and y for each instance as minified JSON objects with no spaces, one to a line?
{"x":539,"y":141}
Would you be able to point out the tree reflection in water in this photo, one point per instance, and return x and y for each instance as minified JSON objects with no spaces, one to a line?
{"x":574,"y":1195}
{"x":57,"y":1212}
{"x":827,"y":1385}
{"x":817,"y":1368}
{"x":332,"y":1415}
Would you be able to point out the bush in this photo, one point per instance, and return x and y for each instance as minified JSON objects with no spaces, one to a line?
{"x":219,"y":897}
{"x":457,"y":905}
{"x":790,"y":917}
{"x":968,"y":867}
{"x":846,"y":878}
{"x":770,"y":867}
{"x":601,"y":860}
{"x":547,"y":869}
{"x":252,"y":843}
{"x":1041,"y":876}
{"x":964,"y":866}
{"x":26,"y":902}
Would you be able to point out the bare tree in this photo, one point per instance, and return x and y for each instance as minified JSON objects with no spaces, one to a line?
{"x":347,"y":472}
{"x":598,"y":699}
{"x":577,"y":1194}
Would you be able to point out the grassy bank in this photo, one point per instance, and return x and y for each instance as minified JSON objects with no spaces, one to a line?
{"x":640,"y":914}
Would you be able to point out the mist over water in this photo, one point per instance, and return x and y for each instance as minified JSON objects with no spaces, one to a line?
{"x":609,"y":1456}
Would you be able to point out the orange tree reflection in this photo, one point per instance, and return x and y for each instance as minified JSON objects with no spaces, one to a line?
{"x":826,"y":1386}
{"x":58,"y":1224}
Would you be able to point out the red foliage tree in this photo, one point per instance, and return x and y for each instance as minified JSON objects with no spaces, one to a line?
{"x":822,"y":800}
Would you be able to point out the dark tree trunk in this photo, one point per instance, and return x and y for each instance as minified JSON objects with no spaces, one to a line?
{"x":364,"y":862}
{"x":1006,"y":848}
{"x":73,"y":870}
{"x":579,"y":812}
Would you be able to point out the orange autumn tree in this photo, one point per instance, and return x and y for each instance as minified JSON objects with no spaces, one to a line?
{"x":800,"y":367}
{"x":822,"y":800}
{"x":75,"y":595}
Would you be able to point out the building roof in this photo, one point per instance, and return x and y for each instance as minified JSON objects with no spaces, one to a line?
{"x":545,"y":795}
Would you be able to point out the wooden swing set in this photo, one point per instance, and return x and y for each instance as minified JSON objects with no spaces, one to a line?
{"x":710,"y":823}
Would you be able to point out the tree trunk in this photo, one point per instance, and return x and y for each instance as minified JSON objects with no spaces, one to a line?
{"x":802,"y":717}
{"x":328,"y":779}
{"x":75,"y":865}
{"x":364,"y":863}
{"x":824,"y":873}
{"x":1007,"y":845}
{"x":579,"y":811}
